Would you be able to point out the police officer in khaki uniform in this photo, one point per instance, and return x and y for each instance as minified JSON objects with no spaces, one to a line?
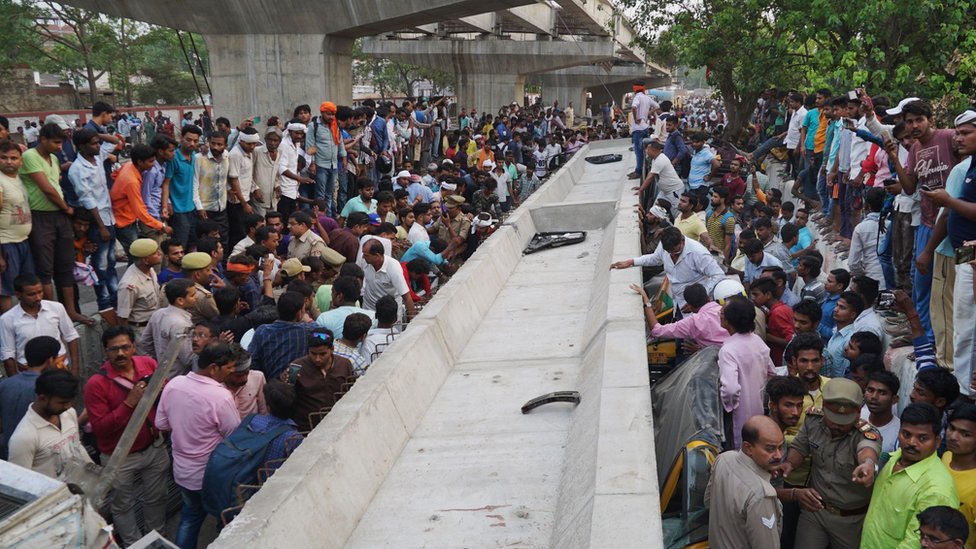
{"x":138,"y":288}
{"x":742,"y":504}
{"x":844,"y":451}
{"x":197,"y":266}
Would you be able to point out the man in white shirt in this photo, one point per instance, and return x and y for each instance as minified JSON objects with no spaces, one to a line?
{"x":641,"y":108}
{"x":47,"y":439}
{"x":35,"y":316}
{"x":289,"y":152}
{"x":685,"y":261}
{"x":796,"y":122}
{"x":240,"y":182}
{"x":384,"y":276}
{"x":669,"y":186}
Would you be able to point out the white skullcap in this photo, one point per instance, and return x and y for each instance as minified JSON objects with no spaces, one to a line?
{"x":448,"y":186}
{"x":901,"y":105}
{"x":658,"y":212}
{"x":249,"y":138}
{"x":296,"y":127}
{"x":404,"y":174}
{"x":968,"y":117}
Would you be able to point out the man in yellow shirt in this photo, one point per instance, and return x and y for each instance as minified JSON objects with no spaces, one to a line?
{"x":961,"y":461}
{"x":690,"y":224}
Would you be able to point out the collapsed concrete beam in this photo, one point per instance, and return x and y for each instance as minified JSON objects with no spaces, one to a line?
{"x":490,"y":73}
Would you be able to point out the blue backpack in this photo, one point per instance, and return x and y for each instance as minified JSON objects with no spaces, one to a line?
{"x":235,"y":461}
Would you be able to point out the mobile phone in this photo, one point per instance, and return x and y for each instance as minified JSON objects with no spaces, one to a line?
{"x":886,"y":300}
{"x":852,"y":95}
{"x":965,"y":254}
{"x":145,"y":379}
{"x":291,"y":373}
{"x":256,"y":119}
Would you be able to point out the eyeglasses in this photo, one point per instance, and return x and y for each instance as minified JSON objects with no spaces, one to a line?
{"x":926,"y":538}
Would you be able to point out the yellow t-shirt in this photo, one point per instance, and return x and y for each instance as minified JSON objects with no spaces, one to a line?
{"x":966,"y":488}
{"x":693,"y":227}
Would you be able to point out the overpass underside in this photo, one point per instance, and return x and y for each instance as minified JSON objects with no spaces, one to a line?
{"x":430,"y":448}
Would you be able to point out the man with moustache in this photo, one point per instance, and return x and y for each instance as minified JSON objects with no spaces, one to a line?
{"x":913,"y":480}
{"x":844,"y":454}
{"x":742,"y":505}
{"x":785,"y":396}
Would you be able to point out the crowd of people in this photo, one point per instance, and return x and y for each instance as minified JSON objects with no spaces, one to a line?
{"x":822,"y":258}
{"x":265,"y":270}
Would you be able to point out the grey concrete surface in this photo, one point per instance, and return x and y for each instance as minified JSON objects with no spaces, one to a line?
{"x":571,"y":84}
{"x":430,"y":449}
{"x":491,"y":72}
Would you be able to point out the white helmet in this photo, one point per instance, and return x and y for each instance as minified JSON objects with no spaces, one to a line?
{"x":726,"y":289}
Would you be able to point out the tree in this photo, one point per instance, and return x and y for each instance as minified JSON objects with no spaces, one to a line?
{"x":19,"y":44}
{"x":394,"y":78}
{"x":75,"y":42}
{"x":741,"y":43}
{"x":895,"y":47}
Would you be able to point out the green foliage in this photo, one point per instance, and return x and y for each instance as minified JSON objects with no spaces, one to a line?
{"x":392,"y":78}
{"x":145,"y":63}
{"x":893,"y":47}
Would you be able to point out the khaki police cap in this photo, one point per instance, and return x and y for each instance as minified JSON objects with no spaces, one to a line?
{"x":333,"y":258}
{"x":456,"y":199}
{"x":842,"y":401}
{"x":293,"y":267}
{"x":196,"y":260}
{"x":143,"y":247}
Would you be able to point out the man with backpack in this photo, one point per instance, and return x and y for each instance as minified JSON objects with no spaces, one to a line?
{"x":200,"y":412}
{"x":261,"y":441}
{"x":111,"y":396}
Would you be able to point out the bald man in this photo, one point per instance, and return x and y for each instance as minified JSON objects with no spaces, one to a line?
{"x":739,"y":487}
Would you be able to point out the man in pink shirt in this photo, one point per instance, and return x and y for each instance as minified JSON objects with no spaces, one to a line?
{"x":200,"y":412}
{"x":744,"y":365}
{"x":703,"y":326}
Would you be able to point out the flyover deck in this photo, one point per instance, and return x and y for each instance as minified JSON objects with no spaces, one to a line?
{"x":430,"y":449}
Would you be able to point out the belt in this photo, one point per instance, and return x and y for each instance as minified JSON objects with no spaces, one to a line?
{"x":139,"y":324}
{"x":846,"y":512}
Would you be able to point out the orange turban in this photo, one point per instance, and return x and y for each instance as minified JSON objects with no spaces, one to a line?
{"x":327,"y":106}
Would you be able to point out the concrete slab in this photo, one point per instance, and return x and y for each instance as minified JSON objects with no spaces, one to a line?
{"x":457,"y":464}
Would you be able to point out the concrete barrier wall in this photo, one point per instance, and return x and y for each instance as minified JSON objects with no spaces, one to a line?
{"x":608,"y":494}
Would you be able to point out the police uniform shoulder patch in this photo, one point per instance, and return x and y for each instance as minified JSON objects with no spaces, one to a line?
{"x":867,"y":430}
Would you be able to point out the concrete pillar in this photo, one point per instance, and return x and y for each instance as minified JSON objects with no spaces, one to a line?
{"x":488,"y":92}
{"x":566,"y":95}
{"x":491,"y":72}
{"x":269,"y":74}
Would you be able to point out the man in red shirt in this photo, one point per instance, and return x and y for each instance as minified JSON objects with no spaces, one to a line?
{"x":733,"y":180}
{"x":111,"y":395}
{"x":779,"y":317}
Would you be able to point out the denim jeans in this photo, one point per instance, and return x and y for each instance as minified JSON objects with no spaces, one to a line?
{"x":191,"y":519}
{"x":922,"y":283}
{"x":766,"y":146}
{"x":808,"y":176}
{"x":325,"y":186}
{"x":824,"y":192}
{"x":884,"y":255}
{"x":126,"y":236}
{"x":637,"y":137}
{"x":184,"y":228}
{"x":103,"y":261}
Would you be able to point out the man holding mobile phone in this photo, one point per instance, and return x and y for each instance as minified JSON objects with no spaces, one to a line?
{"x":930,"y":160}
{"x":957,"y":221}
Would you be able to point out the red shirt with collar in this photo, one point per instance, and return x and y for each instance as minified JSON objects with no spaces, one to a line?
{"x":105,"y":395}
